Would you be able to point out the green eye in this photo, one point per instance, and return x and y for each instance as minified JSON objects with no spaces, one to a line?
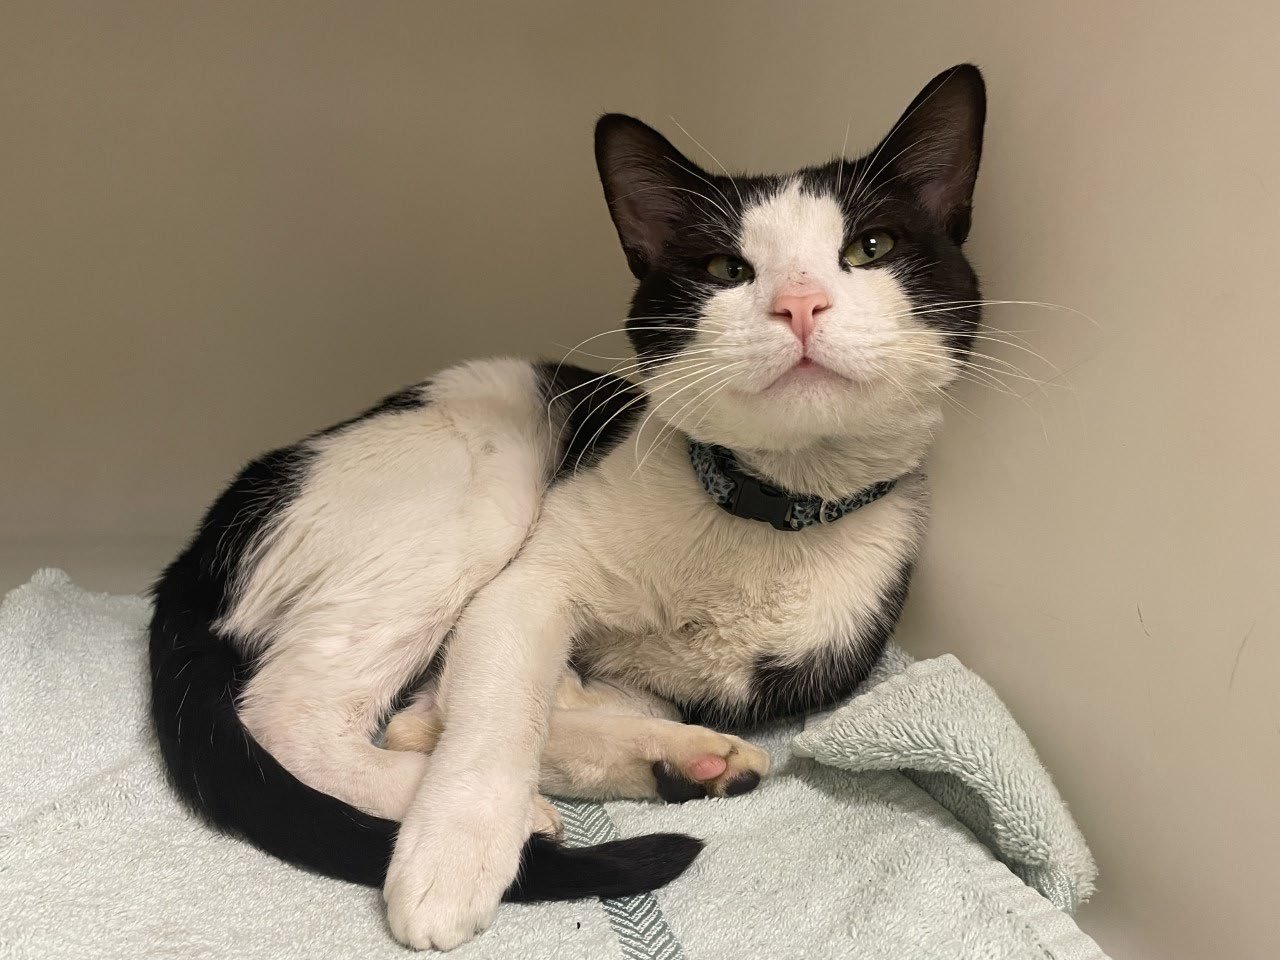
{"x":867,"y":248}
{"x":730,"y":269}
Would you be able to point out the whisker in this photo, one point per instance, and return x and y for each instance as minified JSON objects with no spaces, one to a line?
{"x":660,"y":404}
{"x":901,"y":120}
{"x":641,"y":396}
{"x":727,"y":215}
{"x":860,"y":191}
{"x":664,"y":402}
{"x":968,"y":372}
{"x":638,"y":398}
{"x":672,"y":424}
{"x":651,"y":359}
{"x":970,"y":361}
{"x":713,"y":157}
{"x":956,"y":403}
{"x":843,"y":149}
{"x":707,"y":403}
{"x":622,"y":330}
{"x":694,"y":173}
{"x":988,"y":338}
{"x":879,"y":369}
{"x":962,"y":304}
{"x":554,"y":436}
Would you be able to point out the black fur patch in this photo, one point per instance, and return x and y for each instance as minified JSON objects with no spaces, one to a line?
{"x":785,"y":687}
{"x":669,"y":299}
{"x":213,"y":763}
{"x":619,"y":868}
{"x":204,"y":572}
{"x":674,"y":786}
{"x":742,"y":783}
{"x":409,"y":398}
{"x":591,"y":413}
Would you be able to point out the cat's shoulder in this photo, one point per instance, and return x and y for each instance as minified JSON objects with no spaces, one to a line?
{"x":590,"y":412}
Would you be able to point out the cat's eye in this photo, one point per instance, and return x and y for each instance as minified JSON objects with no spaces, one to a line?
{"x":867,"y":248}
{"x":730,"y":269}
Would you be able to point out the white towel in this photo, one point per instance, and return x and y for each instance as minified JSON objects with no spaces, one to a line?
{"x":98,"y":860}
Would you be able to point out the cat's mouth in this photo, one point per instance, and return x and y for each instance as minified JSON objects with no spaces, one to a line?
{"x":806,"y":370}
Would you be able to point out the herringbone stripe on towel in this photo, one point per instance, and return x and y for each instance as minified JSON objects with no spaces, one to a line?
{"x":638,"y":922}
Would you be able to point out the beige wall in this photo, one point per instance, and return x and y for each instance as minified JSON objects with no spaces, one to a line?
{"x":225,"y":224}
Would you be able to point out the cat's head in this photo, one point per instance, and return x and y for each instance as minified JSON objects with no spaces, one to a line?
{"x":774,"y":311}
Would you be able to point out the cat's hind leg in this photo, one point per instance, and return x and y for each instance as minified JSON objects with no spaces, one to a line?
{"x":401,"y":519}
{"x":417,"y":727}
{"x":609,"y":740}
{"x":316,"y":707}
{"x":591,"y":753}
{"x":612,"y":742}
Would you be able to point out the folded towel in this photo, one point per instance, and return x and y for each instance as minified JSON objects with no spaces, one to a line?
{"x":840,"y":854}
{"x":945,"y":729}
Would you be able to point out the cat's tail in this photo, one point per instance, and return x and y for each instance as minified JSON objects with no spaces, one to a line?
{"x":223,"y":774}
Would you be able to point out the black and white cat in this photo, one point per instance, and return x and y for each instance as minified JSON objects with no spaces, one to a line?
{"x":553,"y":568}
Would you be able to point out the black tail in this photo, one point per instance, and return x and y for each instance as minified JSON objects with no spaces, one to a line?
{"x":224,"y":775}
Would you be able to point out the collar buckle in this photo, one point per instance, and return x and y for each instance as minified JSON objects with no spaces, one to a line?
{"x":756,"y":500}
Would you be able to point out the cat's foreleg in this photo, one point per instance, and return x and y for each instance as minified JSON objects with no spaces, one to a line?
{"x":459,"y":846}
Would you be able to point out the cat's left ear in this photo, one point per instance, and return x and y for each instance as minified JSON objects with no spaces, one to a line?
{"x":936,"y":145}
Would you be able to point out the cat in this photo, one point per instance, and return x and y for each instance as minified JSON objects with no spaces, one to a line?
{"x":558,"y":581}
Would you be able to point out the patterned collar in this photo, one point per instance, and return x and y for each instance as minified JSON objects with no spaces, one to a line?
{"x":745,"y":495}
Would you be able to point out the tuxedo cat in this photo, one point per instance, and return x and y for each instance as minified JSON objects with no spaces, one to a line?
{"x":575,"y":583}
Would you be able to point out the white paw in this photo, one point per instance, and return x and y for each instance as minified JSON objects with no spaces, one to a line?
{"x":448,"y":873}
{"x":698,"y":762}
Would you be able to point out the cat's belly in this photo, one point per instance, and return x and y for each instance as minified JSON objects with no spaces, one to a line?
{"x":745,"y":655}
{"x":700,"y":656}
{"x":731,"y":620}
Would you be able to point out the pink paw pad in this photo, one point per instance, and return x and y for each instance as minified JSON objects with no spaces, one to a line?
{"x":706,"y":767}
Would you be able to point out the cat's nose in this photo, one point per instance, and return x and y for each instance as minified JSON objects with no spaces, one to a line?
{"x":800,"y":310}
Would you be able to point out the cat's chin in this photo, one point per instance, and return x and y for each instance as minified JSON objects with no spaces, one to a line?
{"x":806,"y":408}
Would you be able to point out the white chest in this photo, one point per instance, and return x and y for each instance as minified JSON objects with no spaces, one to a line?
{"x":670,"y":584}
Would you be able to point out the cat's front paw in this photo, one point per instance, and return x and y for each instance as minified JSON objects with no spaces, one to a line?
{"x":448,"y":873}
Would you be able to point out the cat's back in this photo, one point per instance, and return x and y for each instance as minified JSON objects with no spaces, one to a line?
{"x":426,"y":441}
{"x":438,"y":482}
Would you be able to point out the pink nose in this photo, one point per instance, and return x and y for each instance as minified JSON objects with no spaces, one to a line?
{"x":800,"y":309}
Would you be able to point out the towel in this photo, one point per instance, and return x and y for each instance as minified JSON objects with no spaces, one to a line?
{"x":947,"y":731}
{"x":914,"y":821}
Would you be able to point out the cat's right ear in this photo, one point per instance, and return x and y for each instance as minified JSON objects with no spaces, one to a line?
{"x":646,"y":182}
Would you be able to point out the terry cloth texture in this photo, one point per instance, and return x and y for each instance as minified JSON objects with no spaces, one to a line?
{"x":898,"y":828}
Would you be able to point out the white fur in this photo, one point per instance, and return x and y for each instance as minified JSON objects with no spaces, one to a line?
{"x":414,"y":524}
{"x":403,"y":517}
{"x":876,"y":424}
{"x":603,"y":739}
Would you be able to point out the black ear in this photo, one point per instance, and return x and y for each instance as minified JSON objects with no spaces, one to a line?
{"x":646,"y":184}
{"x":936,"y":145}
